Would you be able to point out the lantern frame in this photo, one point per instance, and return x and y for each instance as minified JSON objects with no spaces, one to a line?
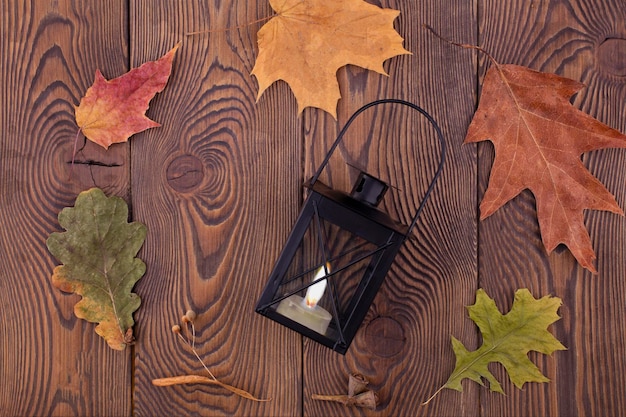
{"x":358,"y":215}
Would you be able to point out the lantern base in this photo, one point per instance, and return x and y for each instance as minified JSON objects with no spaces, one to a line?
{"x":331,"y":338}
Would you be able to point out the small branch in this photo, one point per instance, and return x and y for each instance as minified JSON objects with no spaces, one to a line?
{"x":462,"y":45}
{"x":94,"y":163}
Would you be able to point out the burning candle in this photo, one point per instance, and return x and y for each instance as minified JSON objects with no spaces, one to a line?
{"x":305,"y":310}
{"x":316,"y":291}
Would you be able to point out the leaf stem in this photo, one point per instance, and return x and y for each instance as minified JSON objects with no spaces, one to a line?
{"x":434,"y":395}
{"x":193,"y":350}
{"x":75,"y":145}
{"x":462,"y":45}
{"x":202,"y":32}
{"x":74,"y":151}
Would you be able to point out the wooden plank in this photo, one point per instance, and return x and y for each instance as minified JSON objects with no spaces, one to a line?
{"x":583,"y":40}
{"x":403,"y":346}
{"x":52,"y":363}
{"x":218,"y":186}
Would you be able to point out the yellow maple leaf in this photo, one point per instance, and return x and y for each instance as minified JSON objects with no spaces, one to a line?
{"x":309,"y":40}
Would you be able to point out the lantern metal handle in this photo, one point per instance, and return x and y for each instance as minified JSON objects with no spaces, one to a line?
{"x":414,"y":107}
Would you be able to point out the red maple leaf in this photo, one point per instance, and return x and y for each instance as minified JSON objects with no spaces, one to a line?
{"x":112,"y":111}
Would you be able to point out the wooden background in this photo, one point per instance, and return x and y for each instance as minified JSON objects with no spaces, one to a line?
{"x":219,"y":186}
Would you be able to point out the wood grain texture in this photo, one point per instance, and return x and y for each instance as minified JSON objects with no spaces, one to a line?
{"x":52,"y":363}
{"x":583,"y":40}
{"x":403,"y":346}
{"x":218,"y":187}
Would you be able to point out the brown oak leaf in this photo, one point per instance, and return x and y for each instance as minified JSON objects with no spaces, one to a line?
{"x":112,"y":111}
{"x":309,"y":40}
{"x":539,"y":138}
{"x":98,"y":251}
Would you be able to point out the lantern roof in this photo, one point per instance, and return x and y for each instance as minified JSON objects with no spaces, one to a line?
{"x":362,"y":209}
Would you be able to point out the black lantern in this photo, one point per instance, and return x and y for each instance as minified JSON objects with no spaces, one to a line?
{"x":347,"y":245}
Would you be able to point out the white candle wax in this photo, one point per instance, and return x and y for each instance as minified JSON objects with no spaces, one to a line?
{"x":305,"y":310}
{"x":295,"y":308}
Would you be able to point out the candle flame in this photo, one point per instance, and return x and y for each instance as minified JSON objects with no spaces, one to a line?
{"x":316,"y":291}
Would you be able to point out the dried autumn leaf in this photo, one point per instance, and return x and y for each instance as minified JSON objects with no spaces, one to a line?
{"x":98,"y":255}
{"x":507,"y":339}
{"x":197,"y":379}
{"x":310,"y":40}
{"x":539,"y":138}
{"x":112,"y":111}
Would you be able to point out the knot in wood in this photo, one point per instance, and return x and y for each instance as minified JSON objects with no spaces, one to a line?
{"x":384,"y":337}
{"x":612,"y":56}
{"x":185,"y":173}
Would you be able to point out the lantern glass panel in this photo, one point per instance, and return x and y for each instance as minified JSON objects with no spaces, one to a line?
{"x":341,"y":259}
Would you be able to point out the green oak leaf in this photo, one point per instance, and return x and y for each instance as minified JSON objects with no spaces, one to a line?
{"x":98,"y":255}
{"x":507,"y":339}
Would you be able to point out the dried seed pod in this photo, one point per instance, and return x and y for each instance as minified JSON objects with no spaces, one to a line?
{"x":191,"y":315}
{"x":357,"y":384}
{"x":368,"y":399}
